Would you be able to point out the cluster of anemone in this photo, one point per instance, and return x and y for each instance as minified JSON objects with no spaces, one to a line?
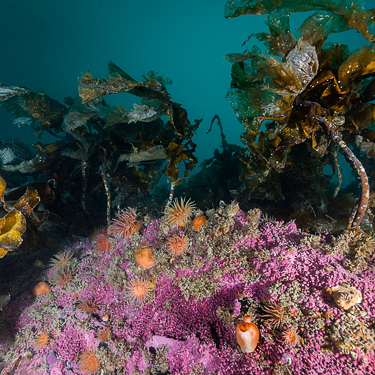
{"x":101,"y":242}
{"x":179,"y":212}
{"x":88,"y":363}
{"x":137,"y":291}
{"x":61,"y":260}
{"x":62,"y":263}
{"x":274,"y":314}
{"x":176,"y":244}
{"x":90,"y":305}
{"x":124,"y":224}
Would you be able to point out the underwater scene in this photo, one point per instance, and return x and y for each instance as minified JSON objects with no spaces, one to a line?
{"x":219,"y":225}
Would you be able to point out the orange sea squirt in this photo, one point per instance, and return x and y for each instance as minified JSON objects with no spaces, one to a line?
{"x":41,"y":288}
{"x":247,"y":335}
{"x":199,"y":222}
{"x":145,"y":257}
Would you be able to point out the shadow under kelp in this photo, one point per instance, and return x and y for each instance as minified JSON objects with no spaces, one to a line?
{"x":300,"y":191}
{"x":218,"y":176}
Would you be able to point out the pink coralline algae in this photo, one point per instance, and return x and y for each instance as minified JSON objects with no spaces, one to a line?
{"x":238,"y":264}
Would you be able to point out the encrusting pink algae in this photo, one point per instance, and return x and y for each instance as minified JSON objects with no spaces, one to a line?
{"x":238,"y":264}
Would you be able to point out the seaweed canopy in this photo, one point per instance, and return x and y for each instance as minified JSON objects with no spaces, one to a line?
{"x":313,"y":90}
{"x":101,"y":148}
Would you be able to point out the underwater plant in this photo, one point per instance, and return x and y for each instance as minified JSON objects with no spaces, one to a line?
{"x":20,"y":213}
{"x":103,"y":154}
{"x":313,"y":93}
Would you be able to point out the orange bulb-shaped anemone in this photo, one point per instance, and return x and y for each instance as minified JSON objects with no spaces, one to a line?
{"x":247,"y":335}
{"x":145,"y":257}
{"x":199,"y":222}
{"x":41,"y":288}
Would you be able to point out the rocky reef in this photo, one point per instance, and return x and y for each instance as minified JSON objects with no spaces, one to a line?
{"x":169,"y":286}
{"x":312,"y":298}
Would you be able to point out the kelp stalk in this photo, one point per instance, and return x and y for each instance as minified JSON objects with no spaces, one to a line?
{"x":107,"y":192}
{"x":357,"y":166}
{"x":339,"y":174}
{"x":171,"y":193}
{"x":84,"y":184}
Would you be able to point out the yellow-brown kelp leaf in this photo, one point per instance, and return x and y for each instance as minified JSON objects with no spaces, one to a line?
{"x":177,"y":153}
{"x":152,"y":89}
{"x":280,"y":40}
{"x":91,"y":88}
{"x":265,"y":87}
{"x":359,"y":64}
{"x":39,"y":163}
{"x":45,"y":190}
{"x":347,"y":14}
{"x":292,"y":77}
{"x":26,"y":203}
{"x":12,"y":226}
{"x":3,"y":186}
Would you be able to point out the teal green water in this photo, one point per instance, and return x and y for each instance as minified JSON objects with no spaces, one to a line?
{"x":48,"y":44}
